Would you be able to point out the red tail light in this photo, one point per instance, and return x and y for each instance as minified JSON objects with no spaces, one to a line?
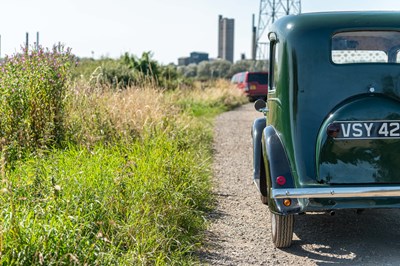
{"x":281,"y":180}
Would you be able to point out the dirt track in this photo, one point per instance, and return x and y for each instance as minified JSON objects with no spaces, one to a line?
{"x":239,"y":231}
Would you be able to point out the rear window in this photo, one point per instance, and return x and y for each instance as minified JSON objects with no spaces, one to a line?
{"x":261,"y":78}
{"x":234,"y":79}
{"x":366,"y":47}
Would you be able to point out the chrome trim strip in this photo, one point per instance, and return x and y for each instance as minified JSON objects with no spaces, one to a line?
{"x":336,"y":192}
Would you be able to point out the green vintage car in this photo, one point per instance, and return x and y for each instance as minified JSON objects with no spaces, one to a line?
{"x":330,"y":138}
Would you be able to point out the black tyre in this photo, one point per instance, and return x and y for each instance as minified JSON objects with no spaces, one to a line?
{"x":263,"y":182}
{"x":282,"y":230}
{"x":264,"y":200}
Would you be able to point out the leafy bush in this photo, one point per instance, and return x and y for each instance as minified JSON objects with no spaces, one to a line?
{"x":33,"y":86}
{"x":117,"y":75}
{"x":130,"y":70}
{"x":104,"y":72}
{"x":145,"y":65}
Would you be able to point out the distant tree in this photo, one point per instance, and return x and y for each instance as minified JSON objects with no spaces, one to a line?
{"x":241,"y":66}
{"x":189,"y":71}
{"x":248,"y":65}
{"x":204,"y":70}
{"x":220,"y":68}
{"x":116,"y":74}
{"x":144,"y":65}
{"x":169,"y":72}
{"x":261,"y":65}
{"x":168,"y":76}
{"x":180,"y":70}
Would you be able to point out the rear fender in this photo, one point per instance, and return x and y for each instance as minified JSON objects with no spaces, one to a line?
{"x":258,"y":163}
{"x":276,"y":165}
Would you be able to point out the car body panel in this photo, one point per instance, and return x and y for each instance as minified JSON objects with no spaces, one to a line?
{"x":374,"y":160}
{"x":308,"y":92}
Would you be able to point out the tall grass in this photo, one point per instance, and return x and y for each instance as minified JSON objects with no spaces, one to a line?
{"x":122,"y":205}
{"x":209,"y":99}
{"x":129,"y":184}
{"x":101,"y":114}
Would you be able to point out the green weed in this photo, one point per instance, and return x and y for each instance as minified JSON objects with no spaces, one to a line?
{"x":136,"y":204}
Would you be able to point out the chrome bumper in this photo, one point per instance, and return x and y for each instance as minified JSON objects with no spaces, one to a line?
{"x":337,"y":192}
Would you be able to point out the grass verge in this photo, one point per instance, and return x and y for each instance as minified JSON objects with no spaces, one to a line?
{"x":120,"y":192}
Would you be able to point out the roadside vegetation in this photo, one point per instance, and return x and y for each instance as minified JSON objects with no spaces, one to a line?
{"x":106,"y":163}
{"x":133,"y":70}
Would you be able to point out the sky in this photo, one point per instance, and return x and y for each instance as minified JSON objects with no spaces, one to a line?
{"x":169,"y":29}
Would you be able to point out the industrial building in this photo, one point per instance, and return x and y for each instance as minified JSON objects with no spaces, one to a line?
{"x":226,"y":30}
{"x":195,"y":58}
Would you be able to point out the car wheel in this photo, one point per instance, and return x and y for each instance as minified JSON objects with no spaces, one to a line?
{"x":282,"y":230}
{"x":264,"y":200}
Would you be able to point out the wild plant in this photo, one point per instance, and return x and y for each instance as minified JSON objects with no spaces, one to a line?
{"x":33,"y":86}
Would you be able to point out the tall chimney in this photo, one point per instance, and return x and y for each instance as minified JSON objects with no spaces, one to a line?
{"x":27,"y":42}
{"x":254,"y":40}
{"x":37,"y":40}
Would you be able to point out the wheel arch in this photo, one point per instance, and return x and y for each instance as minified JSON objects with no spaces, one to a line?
{"x":275,"y":163}
{"x":258,"y":162}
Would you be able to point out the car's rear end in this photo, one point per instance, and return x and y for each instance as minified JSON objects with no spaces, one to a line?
{"x":343,"y":145}
{"x":256,"y":85}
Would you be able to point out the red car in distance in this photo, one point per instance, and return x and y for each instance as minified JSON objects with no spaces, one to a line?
{"x":253,"y":84}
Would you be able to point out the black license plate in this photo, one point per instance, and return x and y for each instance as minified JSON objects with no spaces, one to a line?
{"x":389,"y":129}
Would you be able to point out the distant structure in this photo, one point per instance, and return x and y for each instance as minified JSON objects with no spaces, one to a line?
{"x":27,"y":41}
{"x":195,"y":58}
{"x":226,"y":30}
{"x":270,"y":11}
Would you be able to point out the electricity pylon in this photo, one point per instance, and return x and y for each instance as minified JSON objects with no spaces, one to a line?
{"x":270,"y":11}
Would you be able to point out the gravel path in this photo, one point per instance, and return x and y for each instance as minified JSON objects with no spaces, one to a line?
{"x":239,"y":231}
